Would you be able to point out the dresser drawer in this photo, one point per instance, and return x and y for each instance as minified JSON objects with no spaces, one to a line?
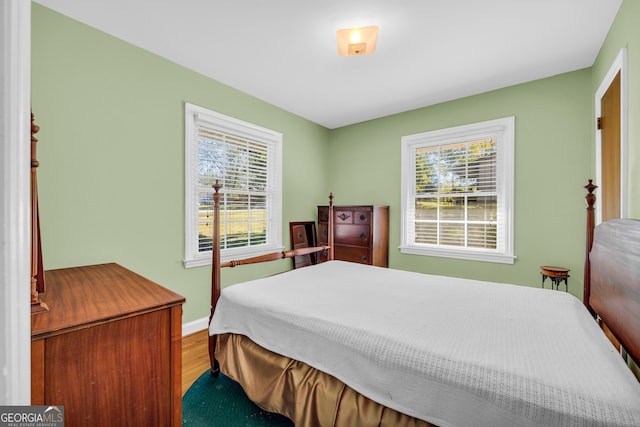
{"x":362,"y":217}
{"x":347,"y":234}
{"x":352,"y":254}
{"x":351,"y":216}
{"x":323,"y":233}
{"x":343,"y":216}
{"x":323,"y":213}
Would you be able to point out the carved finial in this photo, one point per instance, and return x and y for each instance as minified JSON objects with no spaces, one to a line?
{"x":217,"y":186}
{"x":330,"y":199}
{"x":590,"y":197}
{"x":34,"y":129}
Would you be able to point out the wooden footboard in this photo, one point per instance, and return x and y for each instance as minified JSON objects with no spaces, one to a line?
{"x":217,"y":265}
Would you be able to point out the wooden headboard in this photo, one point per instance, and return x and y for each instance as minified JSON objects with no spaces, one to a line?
{"x":612,"y":277}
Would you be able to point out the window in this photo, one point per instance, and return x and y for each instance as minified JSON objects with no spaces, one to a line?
{"x":247,"y":161}
{"x":457,"y":192}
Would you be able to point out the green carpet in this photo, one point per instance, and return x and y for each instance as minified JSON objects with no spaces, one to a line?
{"x":221,"y":401}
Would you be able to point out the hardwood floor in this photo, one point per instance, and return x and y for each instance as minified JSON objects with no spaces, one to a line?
{"x":195,"y":357}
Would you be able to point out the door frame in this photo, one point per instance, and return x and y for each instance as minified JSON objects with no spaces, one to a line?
{"x":619,"y":65}
{"x":15,"y":254}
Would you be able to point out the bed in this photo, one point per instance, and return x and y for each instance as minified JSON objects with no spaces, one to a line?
{"x":341,"y":344}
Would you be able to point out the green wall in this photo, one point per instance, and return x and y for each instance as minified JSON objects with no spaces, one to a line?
{"x":112,"y":158}
{"x":552,"y":154}
{"x":112,"y":155}
{"x":625,"y":33}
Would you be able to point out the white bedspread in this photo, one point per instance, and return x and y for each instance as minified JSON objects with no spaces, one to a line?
{"x":449,"y":351}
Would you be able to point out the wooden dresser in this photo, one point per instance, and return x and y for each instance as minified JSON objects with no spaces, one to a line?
{"x":361,"y":233}
{"x":109,"y":349}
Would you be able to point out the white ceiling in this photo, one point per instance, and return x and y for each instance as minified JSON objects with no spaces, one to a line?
{"x":429,"y":51}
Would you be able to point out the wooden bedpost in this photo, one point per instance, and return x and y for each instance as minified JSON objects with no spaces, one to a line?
{"x":591,"y":223}
{"x":215,"y":274}
{"x":216,"y":283}
{"x":37,"y":266}
{"x":330,"y":226}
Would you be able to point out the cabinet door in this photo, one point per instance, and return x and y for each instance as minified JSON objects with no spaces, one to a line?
{"x":37,"y":372}
{"x":122,"y":365}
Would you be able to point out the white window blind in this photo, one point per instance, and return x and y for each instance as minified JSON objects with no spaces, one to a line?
{"x":246,"y":160}
{"x":457,"y":187}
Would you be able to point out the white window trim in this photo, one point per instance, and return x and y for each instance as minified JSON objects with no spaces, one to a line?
{"x":504,"y":130}
{"x":194,"y":258}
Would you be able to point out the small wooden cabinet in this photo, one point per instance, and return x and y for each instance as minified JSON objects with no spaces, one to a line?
{"x":109,"y":349}
{"x":361,"y":233}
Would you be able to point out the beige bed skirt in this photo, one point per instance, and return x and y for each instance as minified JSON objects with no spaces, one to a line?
{"x":303,"y":394}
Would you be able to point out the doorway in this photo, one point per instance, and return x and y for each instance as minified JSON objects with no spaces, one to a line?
{"x":611,"y":142}
{"x":609,"y":126}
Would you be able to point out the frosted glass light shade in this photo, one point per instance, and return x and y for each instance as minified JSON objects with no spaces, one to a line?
{"x":357,"y":40}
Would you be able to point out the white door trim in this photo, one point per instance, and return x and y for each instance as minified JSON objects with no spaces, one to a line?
{"x":15,"y":246}
{"x":619,"y":64}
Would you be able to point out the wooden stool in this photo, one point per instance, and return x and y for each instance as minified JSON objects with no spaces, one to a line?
{"x":556,"y":274}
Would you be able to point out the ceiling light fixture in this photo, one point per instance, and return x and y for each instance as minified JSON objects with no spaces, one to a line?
{"x":357,"y":40}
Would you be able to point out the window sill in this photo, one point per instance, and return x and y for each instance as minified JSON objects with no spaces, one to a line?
{"x":459,"y":254}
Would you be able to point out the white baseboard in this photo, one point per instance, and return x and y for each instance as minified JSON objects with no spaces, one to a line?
{"x":195,"y":326}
